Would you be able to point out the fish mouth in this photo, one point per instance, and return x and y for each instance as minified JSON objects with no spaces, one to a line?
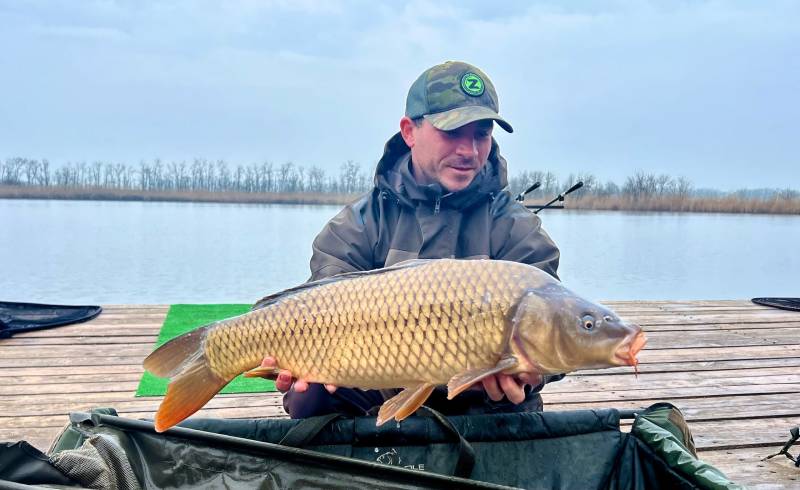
{"x":625,"y":355}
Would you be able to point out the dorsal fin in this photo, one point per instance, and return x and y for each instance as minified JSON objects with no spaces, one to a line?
{"x":272,"y":298}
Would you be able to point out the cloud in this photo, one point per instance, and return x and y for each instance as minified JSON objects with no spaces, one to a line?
{"x":686,"y":88}
{"x":81,"y":33}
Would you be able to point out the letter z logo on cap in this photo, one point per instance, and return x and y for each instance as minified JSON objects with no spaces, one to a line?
{"x":472,"y":84}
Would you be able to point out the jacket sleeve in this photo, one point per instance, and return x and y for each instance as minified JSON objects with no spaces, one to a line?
{"x":346,"y":243}
{"x":517,"y":235}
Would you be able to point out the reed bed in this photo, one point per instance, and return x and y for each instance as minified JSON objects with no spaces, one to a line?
{"x":675,"y":204}
{"x":688,"y":204}
{"x":102,"y":194}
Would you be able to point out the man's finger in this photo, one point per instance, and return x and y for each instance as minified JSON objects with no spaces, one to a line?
{"x":330,"y":388}
{"x":531,"y":378}
{"x":300,"y":385}
{"x":513,"y":390}
{"x":284,"y":381}
{"x":490,"y":385}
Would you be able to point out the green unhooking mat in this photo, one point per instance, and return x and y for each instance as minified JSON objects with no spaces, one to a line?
{"x":184,"y":318}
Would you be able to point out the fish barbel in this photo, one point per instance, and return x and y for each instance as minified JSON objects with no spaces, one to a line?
{"x":415,"y":325}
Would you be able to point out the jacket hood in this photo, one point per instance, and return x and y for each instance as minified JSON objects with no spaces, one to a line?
{"x":393,"y":175}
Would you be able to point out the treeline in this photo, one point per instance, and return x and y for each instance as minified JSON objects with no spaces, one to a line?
{"x":208,"y":180}
{"x":200,"y":175}
{"x":639,"y":186}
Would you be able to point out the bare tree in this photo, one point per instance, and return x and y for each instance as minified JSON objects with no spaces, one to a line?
{"x":683,"y":187}
{"x":350,"y":177}
{"x":45,"y":180}
{"x":316,"y":179}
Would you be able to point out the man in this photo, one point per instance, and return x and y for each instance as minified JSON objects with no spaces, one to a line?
{"x":439,"y":192}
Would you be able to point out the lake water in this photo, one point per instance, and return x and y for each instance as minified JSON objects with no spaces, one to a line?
{"x":103,"y":252}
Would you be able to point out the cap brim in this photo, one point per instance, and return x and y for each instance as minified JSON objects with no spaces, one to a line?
{"x":455,"y":118}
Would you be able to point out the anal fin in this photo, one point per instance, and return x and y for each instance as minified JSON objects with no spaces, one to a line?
{"x":461,"y":382}
{"x":262,"y":372}
{"x":404,"y":403}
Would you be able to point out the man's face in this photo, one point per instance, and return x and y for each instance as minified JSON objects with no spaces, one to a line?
{"x":451,"y":158}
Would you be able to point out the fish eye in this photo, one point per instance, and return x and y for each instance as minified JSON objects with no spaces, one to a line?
{"x":588,"y":322}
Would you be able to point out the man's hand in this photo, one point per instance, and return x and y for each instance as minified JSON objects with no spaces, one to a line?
{"x":509,"y":386}
{"x":284,"y":380}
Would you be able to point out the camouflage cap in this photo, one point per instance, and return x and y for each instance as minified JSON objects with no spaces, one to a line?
{"x":453,"y":94}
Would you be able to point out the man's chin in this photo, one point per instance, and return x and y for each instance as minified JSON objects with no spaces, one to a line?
{"x":457,"y":182}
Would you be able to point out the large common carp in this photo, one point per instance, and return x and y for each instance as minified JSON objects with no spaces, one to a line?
{"x":414,"y":325}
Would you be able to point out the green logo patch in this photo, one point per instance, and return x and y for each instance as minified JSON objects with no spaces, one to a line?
{"x":472,"y":84}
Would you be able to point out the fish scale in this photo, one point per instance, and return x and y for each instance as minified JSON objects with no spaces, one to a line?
{"x":415,"y":325}
{"x":337,"y":340}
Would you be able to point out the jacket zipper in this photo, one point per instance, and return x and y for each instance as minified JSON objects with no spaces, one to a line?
{"x":437,"y":205}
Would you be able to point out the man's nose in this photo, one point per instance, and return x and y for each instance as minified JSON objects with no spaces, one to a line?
{"x":467,"y":147}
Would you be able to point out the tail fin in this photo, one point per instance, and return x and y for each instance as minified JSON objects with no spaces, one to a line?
{"x":194,"y":383}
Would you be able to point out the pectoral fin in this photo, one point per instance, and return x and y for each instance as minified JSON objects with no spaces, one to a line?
{"x":404,"y":403}
{"x":461,"y":382}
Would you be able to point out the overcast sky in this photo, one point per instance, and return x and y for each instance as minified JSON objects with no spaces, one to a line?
{"x":705,"y":90}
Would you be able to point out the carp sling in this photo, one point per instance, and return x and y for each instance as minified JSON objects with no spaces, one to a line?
{"x":414,"y":325}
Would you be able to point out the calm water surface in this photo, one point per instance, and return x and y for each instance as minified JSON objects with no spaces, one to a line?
{"x":137,"y":252}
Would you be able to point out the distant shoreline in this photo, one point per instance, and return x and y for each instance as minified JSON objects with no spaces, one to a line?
{"x":100,"y":194}
{"x":675,"y":204}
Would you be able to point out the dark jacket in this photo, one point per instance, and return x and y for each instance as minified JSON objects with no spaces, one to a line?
{"x":401,"y":220}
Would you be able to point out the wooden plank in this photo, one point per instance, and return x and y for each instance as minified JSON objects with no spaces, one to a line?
{"x":18,"y":384}
{"x":675,"y":310}
{"x":726,"y":435}
{"x":719,"y":353}
{"x":135,"y":360}
{"x":722,"y":338}
{"x":751,"y":317}
{"x":653,"y":395}
{"x":53,"y":372}
{"x":123,"y":402}
{"x":140,"y":349}
{"x":92,"y":329}
{"x":657,"y":381}
{"x":706,"y":409}
{"x":745,"y":327}
{"x":126,"y":339}
{"x":745,"y":467}
{"x":673,"y":367}
{"x":134,"y":306}
{"x":117,"y":384}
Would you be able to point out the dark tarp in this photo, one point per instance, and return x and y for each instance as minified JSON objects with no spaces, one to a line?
{"x":22,"y":463}
{"x":791,"y":304}
{"x":576,"y":449}
{"x":22,"y":317}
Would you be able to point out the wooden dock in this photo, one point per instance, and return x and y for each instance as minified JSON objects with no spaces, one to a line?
{"x":732,"y":367}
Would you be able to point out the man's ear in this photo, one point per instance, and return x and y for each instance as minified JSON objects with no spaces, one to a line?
{"x":407,"y":129}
